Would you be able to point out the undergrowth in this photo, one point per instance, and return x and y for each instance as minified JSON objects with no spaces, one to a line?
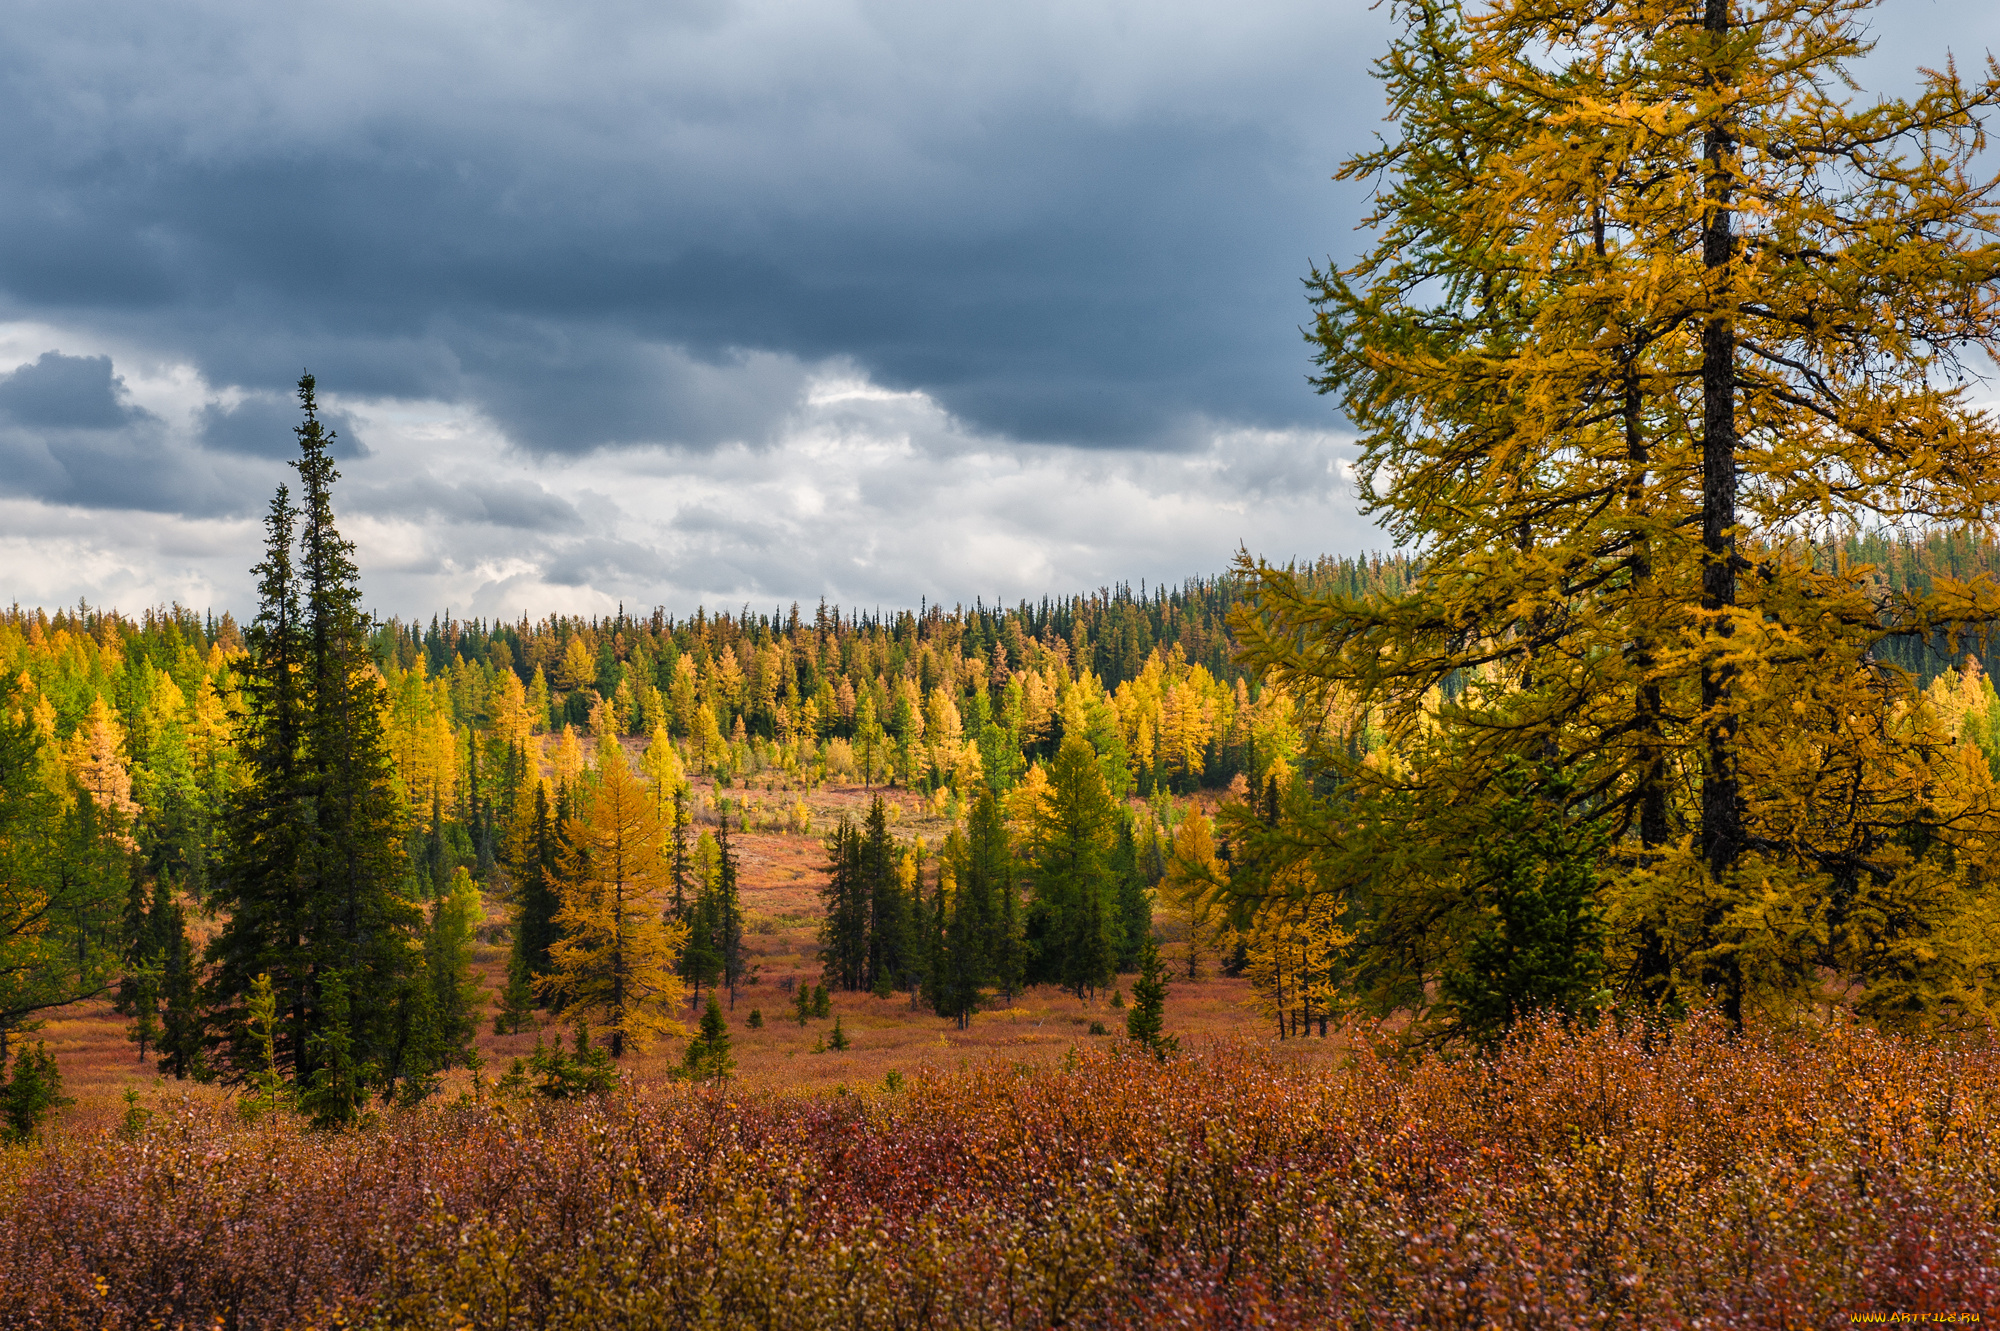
{"x":1572,"y":1179}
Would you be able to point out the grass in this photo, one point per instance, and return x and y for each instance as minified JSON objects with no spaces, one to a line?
{"x":780,"y":881}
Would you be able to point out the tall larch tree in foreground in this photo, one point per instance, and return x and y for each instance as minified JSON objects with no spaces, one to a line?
{"x":1657,"y":312}
{"x":613,"y":965}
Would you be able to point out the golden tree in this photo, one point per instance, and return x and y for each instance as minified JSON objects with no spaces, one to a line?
{"x":1192,"y":887}
{"x":613,"y":964}
{"x":1655,"y":310}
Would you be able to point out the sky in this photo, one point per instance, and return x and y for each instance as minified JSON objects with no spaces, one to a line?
{"x":687,"y":302}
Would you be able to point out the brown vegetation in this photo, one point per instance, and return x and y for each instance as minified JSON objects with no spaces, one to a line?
{"x":1574,"y":1180}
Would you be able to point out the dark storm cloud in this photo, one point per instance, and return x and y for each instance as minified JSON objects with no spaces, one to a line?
{"x":66,"y":393}
{"x":68,"y":435}
{"x":637,"y":225}
{"x":261,"y":426}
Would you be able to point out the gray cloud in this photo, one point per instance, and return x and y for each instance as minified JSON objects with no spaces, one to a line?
{"x":261,"y":425}
{"x":513,"y":503}
{"x":620,"y":224}
{"x":701,"y":299}
{"x":66,"y":393}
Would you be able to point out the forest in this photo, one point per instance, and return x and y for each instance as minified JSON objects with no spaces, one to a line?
{"x":1581,"y":917}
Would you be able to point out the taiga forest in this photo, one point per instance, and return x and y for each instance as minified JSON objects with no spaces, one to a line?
{"x":1579,"y":913}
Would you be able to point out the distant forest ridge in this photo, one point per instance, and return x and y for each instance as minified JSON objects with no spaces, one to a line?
{"x":1112,"y":630}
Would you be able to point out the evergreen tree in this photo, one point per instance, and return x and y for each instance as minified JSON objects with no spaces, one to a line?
{"x":708,"y":1056}
{"x":681,"y":904}
{"x":844,"y":918}
{"x":180,"y":1049}
{"x":1072,"y":922}
{"x":338,"y":1085}
{"x":891,"y":953}
{"x":728,"y":912}
{"x":32,"y":1092}
{"x":939,"y":984}
{"x":1535,"y":942}
{"x":702,"y":962}
{"x":153,"y":927}
{"x":363,"y":925}
{"x":260,"y":885}
{"x":1134,"y":903}
{"x":988,"y":880}
{"x":1147,"y":1017}
{"x":444,"y":1015}
{"x":534,"y":850}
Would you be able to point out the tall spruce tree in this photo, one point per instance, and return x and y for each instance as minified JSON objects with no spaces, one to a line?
{"x":260,"y":886}
{"x":960,"y":933}
{"x":1134,"y":904}
{"x":844,"y":916}
{"x":364,"y":922}
{"x":892,"y":954}
{"x":315,"y":877}
{"x":728,"y":912}
{"x":1072,"y":922}
{"x":989,"y":878}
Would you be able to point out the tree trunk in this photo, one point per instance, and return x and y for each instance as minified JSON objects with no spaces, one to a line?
{"x":1721,"y":808}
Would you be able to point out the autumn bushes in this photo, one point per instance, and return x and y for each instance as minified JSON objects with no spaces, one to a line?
{"x":1587,"y":1180}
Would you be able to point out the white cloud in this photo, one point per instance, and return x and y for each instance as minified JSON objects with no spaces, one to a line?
{"x":864,"y":495}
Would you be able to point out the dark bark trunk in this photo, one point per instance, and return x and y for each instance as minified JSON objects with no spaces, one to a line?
{"x":1721,"y":804}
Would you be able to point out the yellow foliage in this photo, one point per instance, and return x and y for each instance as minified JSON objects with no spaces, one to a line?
{"x":566,"y":757}
{"x":96,"y":759}
{"x":614,"y":964}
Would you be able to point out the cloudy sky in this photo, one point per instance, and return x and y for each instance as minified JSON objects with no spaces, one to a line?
{"x":684,"y":301}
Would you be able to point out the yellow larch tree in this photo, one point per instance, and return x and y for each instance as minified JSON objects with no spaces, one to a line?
{"x":1655,"y":311}
{"x":613,"y":963}
{"x":566,"y":757}
{"x":1192,"y":891}
{"x":95,"y":756}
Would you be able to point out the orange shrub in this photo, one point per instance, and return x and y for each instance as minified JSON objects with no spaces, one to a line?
{"x":1590,"y":1179}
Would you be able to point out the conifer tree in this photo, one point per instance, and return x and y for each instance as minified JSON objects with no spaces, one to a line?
{"x":891,"y":954}
{"x":362,"y":924}
{"x":534,"y":851}
{"x":1147,"y":1017}
{"x":338,"y":1084}
{"x":989,"y":880}
{"x":180,"y":1041}
{"x":29,"y":1092}
{"x":260,"y":887}
{"x":975,"y":946}
{"x":1072,"y":921}
{"x":708,"y":1056}
{"x":614,"y":963}
{"x":845,"y":902}
{"x":444,"y":1016}
{"x":1536,"y":944}
{"x":728,"y":912}
{"x":1134,"y":903}
{"x":1655,"y":316}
